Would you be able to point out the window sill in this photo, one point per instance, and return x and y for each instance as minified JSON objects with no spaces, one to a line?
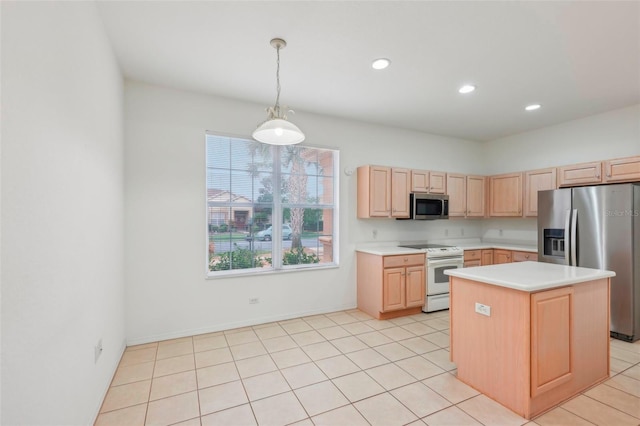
{"x":255,"y":272}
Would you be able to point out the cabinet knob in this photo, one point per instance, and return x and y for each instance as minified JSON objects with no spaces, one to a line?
{"x":406,"y":259}
{"x":608,"y":174}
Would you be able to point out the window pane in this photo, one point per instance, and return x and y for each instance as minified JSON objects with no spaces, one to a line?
{"x":311,"y":242}
{"x":241,"y":196}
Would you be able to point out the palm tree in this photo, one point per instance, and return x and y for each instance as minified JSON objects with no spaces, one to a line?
{"x":295,"y":186}
{"x":296,"y":189}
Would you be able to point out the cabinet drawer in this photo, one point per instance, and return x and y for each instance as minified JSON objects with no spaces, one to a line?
{"x":524,"y":256}
{"x":470,"y":263}
{"x":472,"y":255}
{"x":403,"y":260}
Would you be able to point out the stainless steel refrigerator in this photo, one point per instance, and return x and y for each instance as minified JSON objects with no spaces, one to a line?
{"x":597,"y":227}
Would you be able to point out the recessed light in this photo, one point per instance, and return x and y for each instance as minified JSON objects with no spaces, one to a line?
{"x":467,"y":88}
{"x":380,"y":64}
{"x":532,"y":107}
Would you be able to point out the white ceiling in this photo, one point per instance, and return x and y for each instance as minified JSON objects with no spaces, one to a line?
{"x":576,"y":58}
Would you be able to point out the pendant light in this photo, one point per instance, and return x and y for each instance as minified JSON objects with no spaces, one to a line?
{"x":277,"y":130}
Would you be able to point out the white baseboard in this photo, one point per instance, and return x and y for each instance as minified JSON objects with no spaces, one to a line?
{"x":231,"y":325}
{"x":96,"y":411}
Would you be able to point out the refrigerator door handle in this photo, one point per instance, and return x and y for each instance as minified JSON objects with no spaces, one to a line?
{"x":574,"y":232}
{"x":567,"y":225}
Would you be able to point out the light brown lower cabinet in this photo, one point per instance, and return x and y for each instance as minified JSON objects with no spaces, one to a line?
{"x":523,"y":256}
{"x":501,"y":256}
{"x":534,"y":350}
{"x":390,"y":286}
{"x":472,"y":258}
{"x":487,"y":257}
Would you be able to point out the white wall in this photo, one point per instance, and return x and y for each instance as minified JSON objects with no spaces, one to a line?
{"x":62,"y":213}
{"x":613,"y":134}
{"x":167,"y":293}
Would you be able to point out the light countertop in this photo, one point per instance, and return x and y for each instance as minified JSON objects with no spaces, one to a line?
{"x":495,"y":245}
{"x":390,"y":249}
{"x":530,"y":276}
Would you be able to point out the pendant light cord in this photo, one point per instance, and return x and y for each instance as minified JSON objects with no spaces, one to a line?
{"x":277,"y":106}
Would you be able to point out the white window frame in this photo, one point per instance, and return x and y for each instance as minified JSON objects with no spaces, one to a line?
{"x":276,"y":218}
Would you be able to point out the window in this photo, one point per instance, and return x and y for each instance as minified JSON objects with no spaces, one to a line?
{"x":269,"y":207}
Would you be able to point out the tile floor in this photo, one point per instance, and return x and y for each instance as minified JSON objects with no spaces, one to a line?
{"x":343,"y":368}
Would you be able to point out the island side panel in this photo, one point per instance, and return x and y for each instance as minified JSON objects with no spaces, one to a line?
{"x":492,"y":353}
{"x":590,"y":345}
{"x":369,"y":283}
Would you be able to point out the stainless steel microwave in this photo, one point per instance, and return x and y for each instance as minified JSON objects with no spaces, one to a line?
{"x":428,"y":206}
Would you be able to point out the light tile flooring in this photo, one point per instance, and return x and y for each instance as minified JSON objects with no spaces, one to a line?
{"x":343,"y":368}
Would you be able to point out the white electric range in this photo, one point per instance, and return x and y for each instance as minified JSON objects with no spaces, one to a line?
{"x":438,"y":258}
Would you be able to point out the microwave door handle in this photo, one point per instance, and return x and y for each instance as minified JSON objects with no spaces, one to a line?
{"x":441,"y":207}
{"x":567,"y":233}
{"x":574,"y":238}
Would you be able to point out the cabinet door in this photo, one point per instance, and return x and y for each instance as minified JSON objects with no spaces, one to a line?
{"x":419,"y":181}
{"x":523,"y":256}
{"x":374,"y":191}
{"x":551,"y":339}
{"x":622,"y":170}
{"x":393,"y":289}
{"x":487,"y":257}
{"x":580,"y":174}
{"x":505,"y":195}
{"x":438,"y":182}
{"x":400,"y":179}
{"x":534,"y":181}
{"x":475,"y":196}
{"x":415,"y":283}
{"x":457,"y":191}
{"x":501,"y":256}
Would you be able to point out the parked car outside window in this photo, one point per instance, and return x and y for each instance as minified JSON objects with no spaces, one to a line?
{"x":265,"y":235}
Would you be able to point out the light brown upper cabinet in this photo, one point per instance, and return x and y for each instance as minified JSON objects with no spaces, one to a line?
{"x":374,"y":191}
{"x":475,"y":196}
{"x":505,"y":195}
{"x":534,"y":181}
{"x":580,"y":174}
{"x":457,"y":191}
{"x":428,"y":181}
{"x":400,"y":181}
{"x":466,"y":195}
{"x":622,"y":170}
{"x":383,"y":192}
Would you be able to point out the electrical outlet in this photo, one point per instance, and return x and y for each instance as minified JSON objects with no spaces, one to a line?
{"x":446,"y":232}
{"x":483,"y":309}
{"x":97,"y":351}
{"x":375,"y":234}
{"x":500,"y":232}
{"x":254,"y":300}
{"x":462,"y":231}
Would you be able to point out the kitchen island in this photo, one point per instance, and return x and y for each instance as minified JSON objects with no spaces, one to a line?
{"x":530,"y":335}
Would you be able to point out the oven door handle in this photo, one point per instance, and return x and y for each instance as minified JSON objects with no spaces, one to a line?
{"x":439,"y":262}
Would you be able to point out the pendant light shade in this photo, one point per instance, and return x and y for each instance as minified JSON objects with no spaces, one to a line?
{"x":277,"y":130}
